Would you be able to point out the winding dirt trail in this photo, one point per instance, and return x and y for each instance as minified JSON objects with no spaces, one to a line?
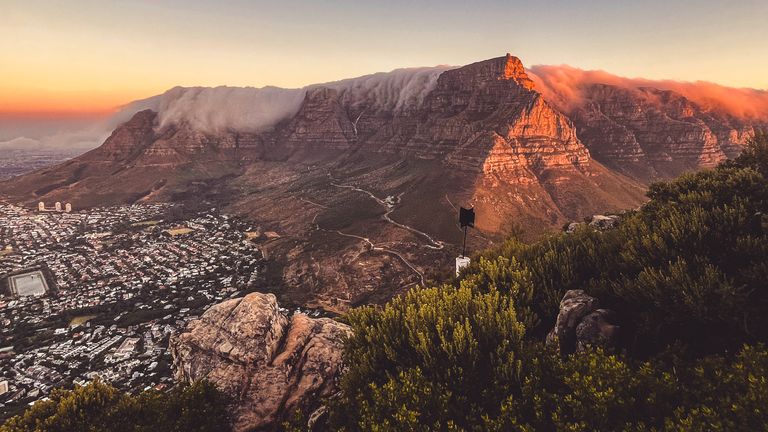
{"x":389,"y":204}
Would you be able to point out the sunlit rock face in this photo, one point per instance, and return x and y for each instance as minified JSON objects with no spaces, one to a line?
{"x":520,"y":157}
{"x":488,"y":116}
{"x":486,"y":119}
{"x":654,"y":133}
{"x":460,"y":122}
{"x":654,"y":130}
{"x":269,"y":364}
{"x":474,"y":107}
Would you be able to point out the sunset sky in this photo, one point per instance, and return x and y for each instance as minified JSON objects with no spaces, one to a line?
{"x":72,"y":57}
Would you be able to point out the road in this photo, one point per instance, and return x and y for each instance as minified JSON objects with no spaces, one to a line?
{"x":389,"y":204}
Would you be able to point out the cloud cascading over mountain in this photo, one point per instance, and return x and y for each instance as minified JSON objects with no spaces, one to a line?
{"x":564,"y":86}
{"x":216,"y":109}
{"x":249,"y":109}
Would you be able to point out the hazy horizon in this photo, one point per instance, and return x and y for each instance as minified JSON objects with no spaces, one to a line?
{"x":92,"y":57}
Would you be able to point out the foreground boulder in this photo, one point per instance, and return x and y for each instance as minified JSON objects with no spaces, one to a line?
{"x":603,"y":222}
{"x":581,"y":323}
{"x":267,"y":363}
{"x":598,"y":222}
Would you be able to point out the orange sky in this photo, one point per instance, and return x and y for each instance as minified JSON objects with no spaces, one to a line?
{"x":37,"y":102}
{"x":95,"y":55}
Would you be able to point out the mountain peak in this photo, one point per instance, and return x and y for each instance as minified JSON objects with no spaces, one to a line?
{"x":508,"y":68}
{"x":514,"y":69}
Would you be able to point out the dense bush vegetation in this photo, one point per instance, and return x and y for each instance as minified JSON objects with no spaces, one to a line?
{"x":687,"y":276}
{"x":455,"y":359}
{"x":690,"y":267}
{"x":99,"y":407}
{"x":436,"y":352}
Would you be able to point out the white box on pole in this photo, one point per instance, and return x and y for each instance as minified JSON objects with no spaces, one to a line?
{"x":461,"y":262}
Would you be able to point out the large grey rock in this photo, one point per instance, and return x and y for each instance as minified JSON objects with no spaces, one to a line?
{"x":269,"y":364}
{"x":580,"y":323}
{"x":596,"y":329}
{"x":603,"y":222}
{"x":598,"y":222}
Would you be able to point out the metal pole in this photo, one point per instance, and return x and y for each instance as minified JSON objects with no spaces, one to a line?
{"x":464,"y":245}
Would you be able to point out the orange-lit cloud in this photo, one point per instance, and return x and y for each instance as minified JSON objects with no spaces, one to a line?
{"x":562,"y":85}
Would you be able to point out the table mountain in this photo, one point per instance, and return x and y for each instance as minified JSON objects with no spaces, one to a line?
{"x":362,"y":178}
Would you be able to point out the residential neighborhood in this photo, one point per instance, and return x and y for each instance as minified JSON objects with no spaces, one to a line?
{"x":105,"y":288}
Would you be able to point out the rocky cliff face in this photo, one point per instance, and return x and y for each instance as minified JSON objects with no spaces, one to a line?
{"x":492,"y":107}
{"x":128,"y":140}
{"x":479,"y":109}
{"x":485,"y":119}
{"x":174,"y":145}
{"x":268,"y":363}
{"x":655,"y":134}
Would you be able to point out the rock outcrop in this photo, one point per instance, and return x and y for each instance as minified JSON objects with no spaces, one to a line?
{"x":269,"y":364}
{"x":598,"y":222}
{"x":581,"y":323}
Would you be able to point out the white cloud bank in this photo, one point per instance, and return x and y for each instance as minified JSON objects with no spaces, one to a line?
{"x":213,"y":109}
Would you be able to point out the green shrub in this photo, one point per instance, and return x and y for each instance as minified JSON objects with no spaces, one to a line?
{"x":437,"y":358}
{"x":99,"y":407}
{"x":596,"y":391}
{"x":587,"y":391}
